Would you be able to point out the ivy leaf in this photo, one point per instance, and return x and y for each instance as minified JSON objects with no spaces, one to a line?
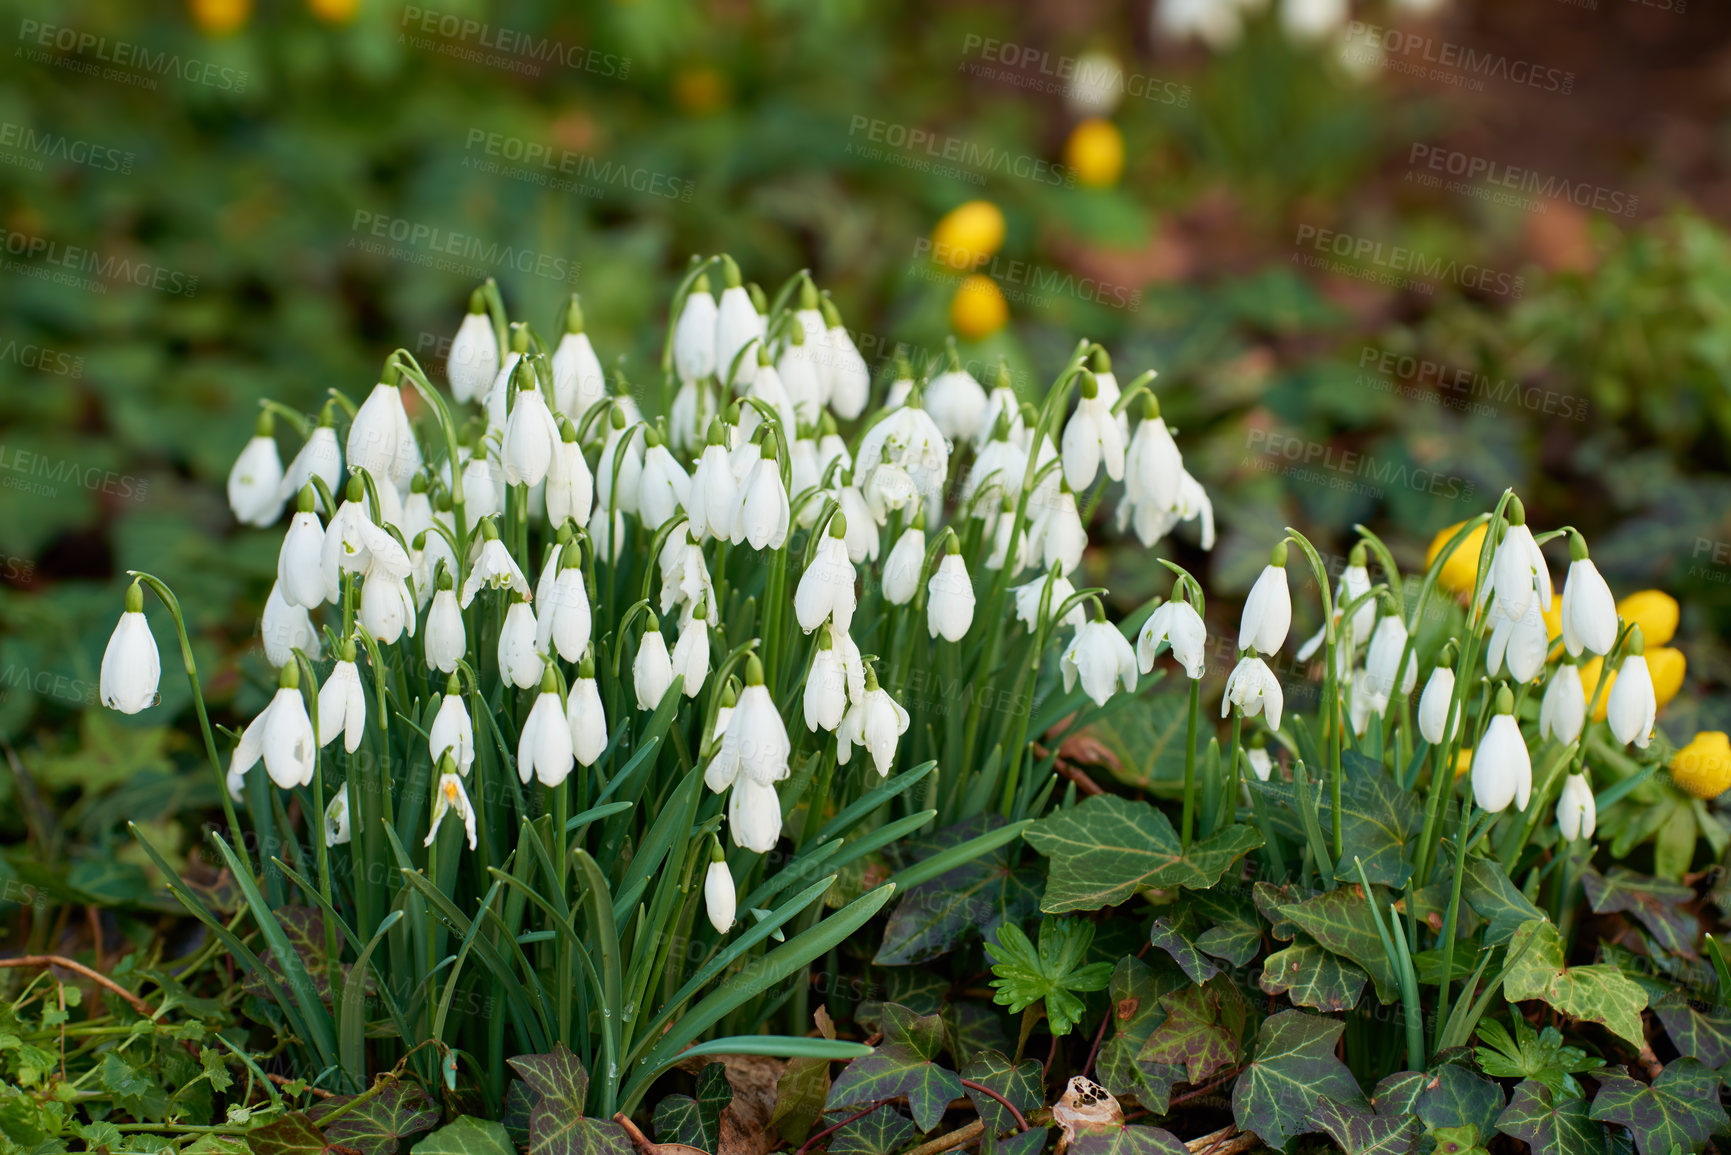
{"x":878,"y":1132}
{"x":696,"y":1122}
{"x":293,"y":1134}
{"x":1377,"y":818}
{"x":1020,"y":1085}
{"x":1107,"y":848}
{"x":304,"y":927}
{"x":1447,"y":1095}
{"x":558,"y":1086}
{"x":1135,"y":992}
{"x":1126,"y":1139}
{"x":1055,"y":972}
{"x":1294,"y":1067}
{"x":902,"y":1066}
{"x":1655,"y":901}
{"x":1233,"y":933}
{"x":1312,"y":977}
{"x":1698,"y":1034}
{"x":1550,"y":1123}
{"x":1597,"y":993}
{"x":1028,"y":1142}
{"x":467,"y":1135}
{"x":1457,"y":1141}
{"x":1202,"y":1032}
{"x":1165,"y":937}
{"x":377,"y":1125}
{"x":1497,"y":900}
{"x":973,"y":899}
{"x":1679,"y":1109}
{"x":1359,"y":1133}
{"x":1342,"y":922}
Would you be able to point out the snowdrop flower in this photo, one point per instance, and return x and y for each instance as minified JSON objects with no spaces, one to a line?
{"x":1312,"y":20}
{"x":694,"y":335}
{"x":754,"y":815}
{"x":1002,"y":419}
{"x":652,"y":669}
{"x":1522,"y":644}
{"x":381,"y":441}
{"x":564,"y":618}
{"x":346,"y":546}
{"x":131,"y":665}
{"x":1218,"y":23}
{"x":337,"y":831}
{"x":1354,"y":584}
{"x":387,"y":606}
{"x":483,"y":484}
{"x":285,"y":629}
{"x":452,"y":733}
{"x":1502,"y":769}
{"x":1253,"y":688}
{"x":1096,"y":85}
{"x":1091,"y":437}
{"x":714,"y":490}
{"x":578,"y":381}
{"x":906,"y":561}
{"x":956,"y":402}
{"x":850,"y":380}
{"x":449,"y":796}
{"x":755,"y":746}
{"x":1434,"y":703}
{"x":1259,"y":761}
{"x":1029,"y":596}
{"x":530,"y":435}
{"x":343,"y":703}
{"x":862,"y":526}
{"x":825,"y":687}
{"x":768,"y":389}
{"x":1009,"y":541}
{"x":760,"y":511}
{"x":1563,"y":710}
{"x":474,"y":357}
{"x":719,"y":896}
{"x":1632,"y":706}
{"x":628,"y":471}
{"x":1058,"y":533}
{"x":737,"y":328}
{"x":494,"y":568}
{"x":320,"y":457}
{"x":950,"y":594}
{"x":544,"y":748}
{"x":585,"y":717}
{"x":1382,"y":661}
{"x":663,"y":487}
{"x":1101,"y":657}
{"x":690,"y":658}
{"x":519,"y":661}
{"x":1268,"y":609}
{"x":1577,"y":813}
{"x":826,"y":589}
{"x":832,"y":454}
{"x":255,"y":482}
{"x":910,"y":439}
{"x":1518,"y":572}
{"x":1177,"y":624}
{"x":852,"y":666}
{"x":995,"y":477}
{"x":445,"y":642}
{"x":799,"y":377}
{"x":417,"y":513}
{"x":1589,"y":612}
{"x":876,"y":722}
{"x":685,"y":578}
{"x":287,"y":744}
{"x":607,"y":534}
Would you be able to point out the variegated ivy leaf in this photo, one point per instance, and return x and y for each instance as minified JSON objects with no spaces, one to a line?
{"x":1295,"y":1066}
{"x":902,"y":1065}
{"x":1678,"y":1109}
{"x":1596,"y":993}
{"x":1551,"y":1123}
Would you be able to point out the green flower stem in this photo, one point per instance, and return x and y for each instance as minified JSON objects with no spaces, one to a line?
{"x":1229,"y":803}
{"x":1335,"y":721}
{"x":321,"y":852}
{"x":1452,"y":920}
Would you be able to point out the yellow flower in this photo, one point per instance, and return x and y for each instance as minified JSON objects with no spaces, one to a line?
{"x":1553,"y":619}
{"x":1703,"y":767}
{"x":700,"y":89}
{"x":1095,"y":151}
{"x":1664,"y":663}
{"x":1463,"y":761}
{"x":1655,"y":611}
{"x":334,"y":11}
{"x":967,"y":235}
{"x":979,"y":308}
{"x":1462,"y":567}
{"x":220,"y":17}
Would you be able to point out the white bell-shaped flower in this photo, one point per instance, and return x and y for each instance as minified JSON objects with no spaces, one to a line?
{"x":474,"y":358}
{"x":1009,"y":541}
{"x":285,"y":629}
{"x":300,"y":562}
{"x":1632,"y":705}
{"x":694,"y":335}
{"x":876,"y":722}
{"x":319,"y":457}
{"x":1434,"y":704}
{"x":652,"y":668}
{"x":381,"y":440}
{"x":1563,"y":710}
{"x":1520,"y":643}
{"x":530,"y":435}
{"x":585,"y":717}
{"x":1577,"y":812}
{"x":1354,"y":583}
{"x":1153,"y":467}
{"x":519,"y":661}
{"x":1589,"y":612}
{"x":994,"y":477}
{"x":826,"y":589}
{"x":956,"y":402}
{"x":1518,"y":571}
{"x":1177,"y":624}
{"x":1092,"y":437}
{"x":663,"y":487}
{"x":563,"y":620}
{"x":483,"y":483}
{"x":800,"y":377}
{"x":494,"y":568}
{"x":825,"y":687}
{"x":544,"y":748}
{"x":738,"y":331}
{"x":570,"y":485}
{"x":720,"y":900}
{"x":1382,"y":661}
{"x":449,"y":797}
{"x":337,"y":831}
{"x":950,"y":594}
{"x":1253,"y":689}
{"x":255,"y":482}
{"x":451,"y":732}
{"x":690,"y":658}
{"x":754,"y":815}
{"x":862,"y":527}
{"x":1311,"y":21}
{"x":1502,"y":769}
{"x":850,"y":379}
{"x":287,"y":745}
{"x":760,"y":512}
{"x":755,"y":745}
{"x":1028,"y":599}
{"x":1268,"y":610}
{"x":621,"y":462}
{"x":387,"y":604}
{"x":910,"y":439}
{"x":692,"y":410}
{"x":445,"y":642}
{"x":579,"y":384}
{"x":607,"y":534}
{"x":131,"y":665}
{"x":903,"y":566}
{"x":343,"y":703}
{"x":714,"y":490}
{"x":1058,"y":533}
{"x":1101,"y":657}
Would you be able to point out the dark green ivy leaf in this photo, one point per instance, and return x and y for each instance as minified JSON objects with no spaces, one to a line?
{"x":1679,"y":1109}
{"x":1312,"y":977}
{"x":1021,"y":1085}
{"x":1550,"y":1123}
{"x":902,"y":1066}
{"x":1295,"y":1066}
{"x":696,"y":1122}
{"x":1655,"y":901}
{"x":1135,"y":991}
{"x":1182,"y":951}
{"x":377,"y":1125}
{"x":1359,"y":1133}
{"x":973,"y":899}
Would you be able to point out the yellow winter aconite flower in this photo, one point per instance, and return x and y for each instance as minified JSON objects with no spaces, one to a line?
{"x":1463,"y":760}
{"x":700,"y":89}
{"x":1655,"y":611}
{"x":968,"y":235}
{"x":1462,"y":567}
{"x":220,"y":17}
{"x":1703,"y":767}
{"x":1095,"y":151}
{"x":979,"y":308}
{"x":1666,"y":665}
{"x":334,"y":11}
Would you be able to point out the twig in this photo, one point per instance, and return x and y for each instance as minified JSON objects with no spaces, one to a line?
{"x":1099,"y":1037}
{"x":960,"y":1137}
{"x":101,"y":980}
{"x":1021,"y":1120}
{"x":638,"y":1138}
{"x":1084,"y":784}
{"x":1205,"y":1088}
{"x":284,"y":1081}
{"x":1226,"y":1141}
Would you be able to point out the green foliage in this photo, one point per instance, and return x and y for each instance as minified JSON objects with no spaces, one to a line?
{"x":1056,"y":972}
{"x":1680,"y":1108}
{"x":1540,"y":1056}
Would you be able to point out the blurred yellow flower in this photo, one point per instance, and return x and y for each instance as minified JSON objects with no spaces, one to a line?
{"x":1553,"y":618}
{"x":968,"y":234}
{"x":1655,"y":611}
{"x":1703,"y":767}
{"x":1664,"y":663}
{"x":1463,"y":761}
{"x":334,"y":11}
{"x":979,"y":308}
{"x":1462,"y":567}
{"x":700,"y":89}
{"x":1095,"y":151}
{"x":220,"y":17}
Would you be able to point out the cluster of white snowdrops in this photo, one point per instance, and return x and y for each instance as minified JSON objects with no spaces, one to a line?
{"x":538,"y":539}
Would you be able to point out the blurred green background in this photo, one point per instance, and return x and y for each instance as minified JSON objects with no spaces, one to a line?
{"x":1377,"y":289}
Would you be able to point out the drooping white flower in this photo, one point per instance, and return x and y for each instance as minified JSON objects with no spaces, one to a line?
{"x":685,"y":580}
{"x":530,"y":436}
{"x":1354,"y":584}
{"x":850,"y":379}
{"x":1313,"y":20}
{"x":621,"y":460}
{"x":1028,"y":602}
{"x":1382,"y":661}
{"x":956,"y":402}
{"x":862,"y":526}
{"x":607,"y":534}
{"x":343,"y":703}
{"x":907,"y":558}
{"x":663,"y":487}
{"x":910,"y":439}
{"x":381,"y":440}
{"x":483,"y":483}
{"x":1253,"y":688}
{"x":1153,"y":467}
{"x":995,"y":475}
{"x":755,"y":745}
{"x":801,"y":379}
{"x":694,"y":335}
{"x":494,"y":568}
{"x":825,"y":687}
{"x":287,"y":745}
{"x":451,"y":732}
{"x":319,"y":457}
{"x":337,"y":832}
{"x":1577,"y":812}
{"x":719,"y":897}
{"x":387,"y":605}
{"x":1563,"y":710}
{"x":738,"y":329}
{"x":826,"y":589}
{"x":299,"y":565}
{"x":1589,"y":612}
{"x":519,"y":661}
{"x":652,"y":668}
{"x":950,"y":596}
{"x":1633,"y":706}
{"x":767,"y":388}
{"x":445,"y":642}
{"x":1518,"y":572}
{"x":1502,"y":768}
{"x":1057,"y":532}
{"x":255,"y":482}
{"x":474,"y":358}
{"x":876,"y":722}
{"x":1179,"y":626}
{"x":760,"y":512}
{"x":1259,"y":761}
{"x":1092,"y":437}
{"x":579,"y":384}
{"x":754,"y":815}
{"x":449,"y":796}
{"x":1218,"y":23}
{"x":1433,"y":706}
{"x":714,"y":490}
{"x":1268,"y":610}
{"x":563,"y":619}
{"x":586,"y":718}
{"x":1101,"y":657}
{"x":131,"y":665}
{"x":1521,"y":643}
{"x":692,"y":410}
{"x":345,"y":547}
{"x":1009,"y":541}
{"x":544,"y":749}
{"x":690,"y":658}
{"x":285,"y":629}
